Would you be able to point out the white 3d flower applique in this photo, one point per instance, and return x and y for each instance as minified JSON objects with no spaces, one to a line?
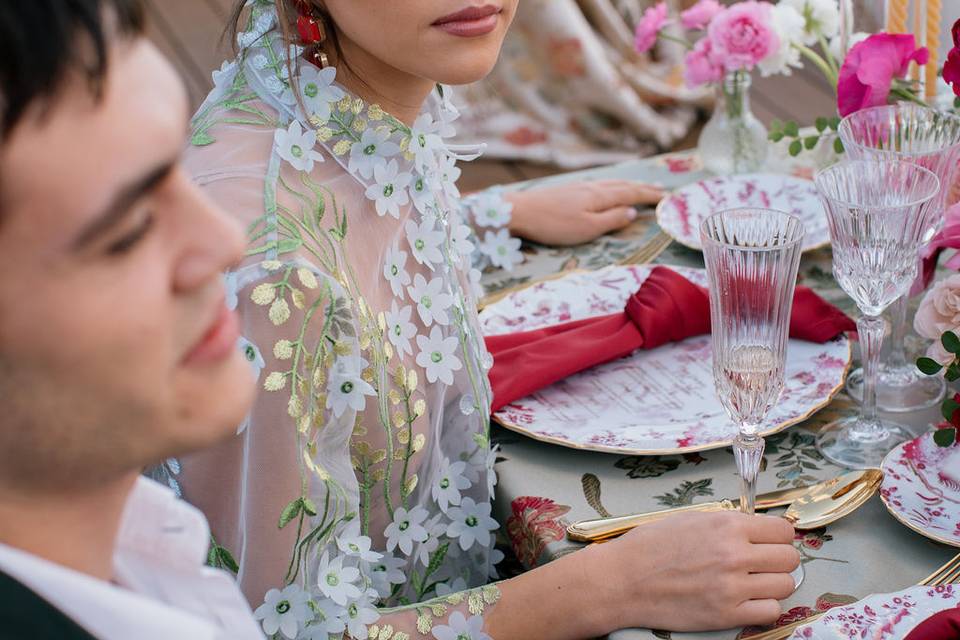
{"x":471,"y":523}
{"x":284,"y":611}
{"x":425,"y":241}
{"x":449,"y":483}
{"x":503,"y":251}
{"x":373,"y":148}
{"x":389,"y":191}
{"x":296,"y":146}
{"x":394,"y":270}
{"x":459,"y":627}
{"x":432,"y":302}
{"x":346,"y":388}
{"x":438,"y":356}
{"x":318,"y":91}
{"x":406,"y":528}
{"x":336,"y":581}
{"x":399,"y":328}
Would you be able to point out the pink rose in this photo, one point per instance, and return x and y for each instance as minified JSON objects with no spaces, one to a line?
{"x":700,"y":14}
{"x":649,"y":27}
{"x":870,"y":67}
{"x":939,"y":312}
{"x":743,"y":35}
{"x":700,"y":67}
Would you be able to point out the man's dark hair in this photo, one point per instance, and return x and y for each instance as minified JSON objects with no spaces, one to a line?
{"x":41,"y":40}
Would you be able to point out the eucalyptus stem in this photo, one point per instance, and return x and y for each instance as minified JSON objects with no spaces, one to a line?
{"x":821,"y":64}
{"x":827,"y":56}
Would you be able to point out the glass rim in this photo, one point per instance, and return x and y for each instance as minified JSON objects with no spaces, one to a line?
{"x":847,"y":119}
{"x":890,"y":161}
{"x":706,"y":239}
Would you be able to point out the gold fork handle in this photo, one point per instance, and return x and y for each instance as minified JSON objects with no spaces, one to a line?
{"x":604,"y":528}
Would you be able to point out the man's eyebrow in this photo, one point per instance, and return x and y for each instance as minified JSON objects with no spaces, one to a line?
{"x":118,"y":208}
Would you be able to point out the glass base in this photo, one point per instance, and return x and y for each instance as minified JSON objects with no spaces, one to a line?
{"x":843,"y":445}
{"x":900,"y":389}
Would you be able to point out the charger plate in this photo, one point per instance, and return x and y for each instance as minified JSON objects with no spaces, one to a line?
{"x":680,"y":213}
{"x":921,"y":488}
{"x":650,"y":402}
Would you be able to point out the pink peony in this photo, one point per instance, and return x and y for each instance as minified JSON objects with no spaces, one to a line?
{"x":743,"y":35}
{"x":870,"y":67}
{"x":649,"y":27}
{"x":700,"y":67}
{"x":939,"y":312}
{"x":699,"y":15}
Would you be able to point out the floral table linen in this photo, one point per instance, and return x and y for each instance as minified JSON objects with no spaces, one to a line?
{"x":542,"y":487}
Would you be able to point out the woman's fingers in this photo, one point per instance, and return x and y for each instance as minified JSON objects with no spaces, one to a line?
{"x":763,"y":586}
{"x":755,"y":612}
{"x":618,"y":193}
{"x":773,"y":558}
{"x":613,"y":219}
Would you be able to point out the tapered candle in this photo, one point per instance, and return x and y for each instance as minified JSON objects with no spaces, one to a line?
{"x":933,"y":44}
{"x":897,"y":16}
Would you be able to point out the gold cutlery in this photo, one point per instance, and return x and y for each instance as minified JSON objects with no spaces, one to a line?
{"x":949,"y":573}
{"x":828,"y":498}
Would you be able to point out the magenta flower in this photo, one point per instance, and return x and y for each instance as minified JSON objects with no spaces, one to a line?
{"x":699,"y":15}
{"x":649,"y":27}
{"x":951,"y":70}
{"x":743,"y":35}
{"x":700,"y":67}
{"x":870,"y":67}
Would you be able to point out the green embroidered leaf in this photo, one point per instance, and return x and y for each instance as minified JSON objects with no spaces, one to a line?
{"x":226,"y":559}
{"x":416,"y":581}
{"x":647,"y":466}
{"x":288,"y":245}
{"x":309,"y":507}
{"x":290,"y":512}
{"x":686,"y":492}
{"x":436,"y":559}
{"x":591,"y":491}
{"x":201,"y":138}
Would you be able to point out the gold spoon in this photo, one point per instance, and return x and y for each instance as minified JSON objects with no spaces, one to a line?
{"x":830,"y":501}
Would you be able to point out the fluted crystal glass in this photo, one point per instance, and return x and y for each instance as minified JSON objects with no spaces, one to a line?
{"x":879,"y":215}
{"x":930,"y":138}
{"x":752,"y":256}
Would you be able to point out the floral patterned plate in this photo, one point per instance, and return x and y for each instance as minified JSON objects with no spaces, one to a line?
{"x":885,"y":616}
{"x":921,"y":488}
{"x":650,"y":402}
{"x":680,"y":214}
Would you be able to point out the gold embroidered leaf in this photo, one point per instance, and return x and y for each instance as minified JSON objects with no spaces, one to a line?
{"x":419,"y":407}
{"x":375,"y":112}
{"x":373,"y":630}
{"x":359,"y":430}
{"x":283,"y":350}
{"x":475,"y":603}
{"x":410,"y":485}
{"x":411,"y":381}
{"x":324,"y":134}
{"x":424,"y":622}
{"x":365,"y":341}
{"x":271,"y":265}
{"x":307,"y":278}
{"x":455,"y":598}
{"x":279,"y":312}
{"x":385,"y":634}
{"x":387,"y":350}
{"x":418,"y":441}
{"x":404,"y":143}
{"x":394,"y":397}
{"x":359,"y":125}
{"x":379,"y":474}
{"x":276,"y":381}
{"x":342,"y":348}
{"x":399,"y":377}
{"x":367,"y":375}
{"x":399,"y":419}
{"x":403,"y":436}
{"x":363,"y":448}
{"x":303,"y":424}
{"x":341,"y":147}
{"x":382,"y":322}
{"x":355,"y":462}
{"x":379,"y":456}
{"x":399,"y":455}
{"x":298,"y":298}
{"x":294,"y":407}
{"x":408,"y":156}
{"x":491,"y":593}
{"x":438,"y":609}
{"x":357,"y":106}
{"x":319,"y":376}
{"x":263,"y":294}
{"x":400,"y":635}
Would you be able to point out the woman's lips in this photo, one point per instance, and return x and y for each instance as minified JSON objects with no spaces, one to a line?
{"x":470,"y":22}
{"x":218,"y":342}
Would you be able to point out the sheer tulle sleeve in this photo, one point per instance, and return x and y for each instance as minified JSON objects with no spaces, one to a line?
{"x":489,"y":215}
{"x":354,"y":500}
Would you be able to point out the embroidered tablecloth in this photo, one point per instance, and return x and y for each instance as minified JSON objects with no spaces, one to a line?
{"x":542,"y":487}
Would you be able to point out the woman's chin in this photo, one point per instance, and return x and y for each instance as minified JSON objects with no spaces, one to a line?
{"x":463,"y":69}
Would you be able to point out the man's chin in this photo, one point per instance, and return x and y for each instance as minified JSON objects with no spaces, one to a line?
{"x":217,"y":402}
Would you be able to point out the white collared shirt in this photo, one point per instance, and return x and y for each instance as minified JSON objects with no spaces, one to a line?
{"x":163,"y":591}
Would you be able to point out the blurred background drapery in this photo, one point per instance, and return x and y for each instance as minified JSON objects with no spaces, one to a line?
{"x":570,"y":90}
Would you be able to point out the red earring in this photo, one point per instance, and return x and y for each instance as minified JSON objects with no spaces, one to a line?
{"x":312,"y":33}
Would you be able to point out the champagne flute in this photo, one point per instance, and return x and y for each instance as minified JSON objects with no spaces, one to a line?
{"x":930,"y":138}
{"x":752,"y":256}
{"x":879,"y":215}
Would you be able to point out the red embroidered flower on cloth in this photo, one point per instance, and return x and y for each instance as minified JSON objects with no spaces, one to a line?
{"x":535,"y":521}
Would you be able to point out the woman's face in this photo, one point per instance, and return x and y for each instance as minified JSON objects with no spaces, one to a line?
{"x":446,"y":41}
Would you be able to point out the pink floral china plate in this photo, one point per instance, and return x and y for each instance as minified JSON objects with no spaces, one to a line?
{"x":680,"y":213}
{"x":884,"y":616}
{"x":921,"y":488}
{"x":650,"y":402}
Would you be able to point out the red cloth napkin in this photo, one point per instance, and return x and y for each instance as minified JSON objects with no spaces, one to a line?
{"x":940,"y":626}
{"x":666,"y":308}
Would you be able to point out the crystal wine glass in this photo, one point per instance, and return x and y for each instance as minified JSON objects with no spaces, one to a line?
{"x":752,"y":256}
{"x":930,"y":138}
{"x":879,"y":214}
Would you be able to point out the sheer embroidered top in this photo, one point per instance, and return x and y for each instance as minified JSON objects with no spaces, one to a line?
{"x":354,"y":501}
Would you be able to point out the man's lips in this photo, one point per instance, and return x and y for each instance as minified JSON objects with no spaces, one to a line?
{"x":219,"y":341}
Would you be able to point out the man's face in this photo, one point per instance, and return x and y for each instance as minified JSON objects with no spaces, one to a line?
{"x":116,"y":348}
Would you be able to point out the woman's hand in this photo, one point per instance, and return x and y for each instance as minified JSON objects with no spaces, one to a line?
{"x":694,"y":572}
{"x":575,"y":213}
{"x":690,"y":572}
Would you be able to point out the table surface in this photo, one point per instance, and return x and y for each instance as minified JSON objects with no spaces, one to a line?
{"x":542,"y":487}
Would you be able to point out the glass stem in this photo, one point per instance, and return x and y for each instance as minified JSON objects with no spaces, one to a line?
{"x":870,"y":332}
{"x":748,"y":451}
{"x":898,"y":333}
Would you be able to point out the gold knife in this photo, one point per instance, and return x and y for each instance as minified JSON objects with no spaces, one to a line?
{"x":604,"y":528}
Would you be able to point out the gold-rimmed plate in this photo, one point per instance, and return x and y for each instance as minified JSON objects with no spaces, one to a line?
{"x":652,"y":402}
{"x":680,"y":213}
